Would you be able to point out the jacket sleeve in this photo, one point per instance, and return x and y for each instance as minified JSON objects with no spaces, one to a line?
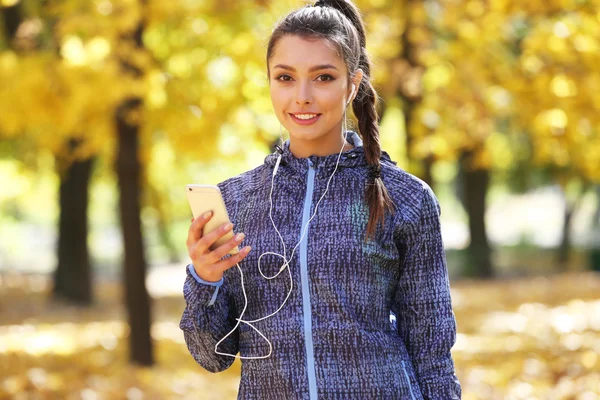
{"x":209,"y":315}
{"x":425,"y":319}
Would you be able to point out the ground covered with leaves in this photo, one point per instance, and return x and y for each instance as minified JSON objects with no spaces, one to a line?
{"x":528,"y":338}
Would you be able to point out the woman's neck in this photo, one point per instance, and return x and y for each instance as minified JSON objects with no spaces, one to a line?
{"x":320,"y":148}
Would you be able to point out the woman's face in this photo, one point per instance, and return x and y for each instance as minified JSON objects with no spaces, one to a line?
{"x":309,"y":89}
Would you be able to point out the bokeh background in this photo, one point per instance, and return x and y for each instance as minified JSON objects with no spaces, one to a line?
{"x":109,"y":107}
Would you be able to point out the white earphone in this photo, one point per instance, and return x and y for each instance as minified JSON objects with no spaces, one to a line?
{"x":351,"y":93}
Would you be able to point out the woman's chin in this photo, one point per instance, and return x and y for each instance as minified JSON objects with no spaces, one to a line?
{"x":305,"y":135}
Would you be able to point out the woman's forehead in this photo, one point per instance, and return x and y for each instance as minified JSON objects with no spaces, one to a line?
{"x":302,"y":54}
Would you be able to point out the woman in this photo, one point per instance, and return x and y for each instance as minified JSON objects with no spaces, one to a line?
{"x":364,"y":311}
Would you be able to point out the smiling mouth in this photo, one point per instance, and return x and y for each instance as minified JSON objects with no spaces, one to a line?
{"x":306,"y":118}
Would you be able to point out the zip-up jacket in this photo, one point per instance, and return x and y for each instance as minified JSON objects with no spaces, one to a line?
{"x":366,"y":319}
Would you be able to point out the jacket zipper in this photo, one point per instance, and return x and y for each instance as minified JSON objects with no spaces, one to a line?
{"x":412,"y":395}
{"x":307,"y":313}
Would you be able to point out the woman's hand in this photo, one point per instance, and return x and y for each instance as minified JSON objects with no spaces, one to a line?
{"x":209,"y":264}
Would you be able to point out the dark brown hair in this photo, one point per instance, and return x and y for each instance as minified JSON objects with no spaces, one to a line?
{"x":340,"y":23}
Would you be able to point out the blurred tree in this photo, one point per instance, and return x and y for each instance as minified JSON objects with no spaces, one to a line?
{"x":571,"y":205}
{"x":415,"y":39}
{"x":203,"y":89}
{"x":63,"y":85}
{"x":502,"y":90}
{"x":455,"y":119}
{"x":73,"y":274}
{"x":12,"y":18}
{"x":128,"y":166}
{"x":555,"y":86}
{"x":474,"y":185}
{"x":72,"y":277}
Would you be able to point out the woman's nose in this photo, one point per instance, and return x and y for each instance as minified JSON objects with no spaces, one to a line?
{"x":304,"y":94}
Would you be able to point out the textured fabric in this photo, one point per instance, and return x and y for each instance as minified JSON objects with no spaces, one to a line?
{"x":217,"y":284}
{"x":380,"y":323}
{"x":200,"y":280}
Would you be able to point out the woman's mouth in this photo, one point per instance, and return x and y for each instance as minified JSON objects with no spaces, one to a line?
{"x":305,"y":118}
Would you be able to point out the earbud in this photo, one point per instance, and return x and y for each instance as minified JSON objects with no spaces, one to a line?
{"x":277,"y":165}
{"x":351,"y":94}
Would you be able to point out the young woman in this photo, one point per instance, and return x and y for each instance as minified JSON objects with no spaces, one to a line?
{"x":345,"y":294}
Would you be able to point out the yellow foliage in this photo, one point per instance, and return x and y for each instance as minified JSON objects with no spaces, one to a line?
{"x":530,"y":66}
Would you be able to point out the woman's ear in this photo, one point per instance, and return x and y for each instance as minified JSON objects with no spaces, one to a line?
{"x":356,"y":79}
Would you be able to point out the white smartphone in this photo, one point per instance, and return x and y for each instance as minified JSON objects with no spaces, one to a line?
{"x":203,"y":198}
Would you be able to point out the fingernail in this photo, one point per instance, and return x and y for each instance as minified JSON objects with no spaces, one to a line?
{"x":246,"y":249}
{"x":206,"y":215}
{"x":239,"y":237}
{"x":228,"y":226}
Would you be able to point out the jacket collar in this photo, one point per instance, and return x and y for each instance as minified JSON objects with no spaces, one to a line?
{"x":354,"y":157}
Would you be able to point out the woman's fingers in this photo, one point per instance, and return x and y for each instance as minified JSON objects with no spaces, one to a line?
{"x":216,"y":269}
{"x":227,"y":263}
{"x":225,"y":248}
{"x":195,"y":231}
{"x":210,"y":238}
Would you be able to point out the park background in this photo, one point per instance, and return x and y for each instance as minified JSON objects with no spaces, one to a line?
{"x":109,"y":107}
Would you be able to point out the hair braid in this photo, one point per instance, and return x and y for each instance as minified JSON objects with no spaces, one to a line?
{"x":365,"y":109}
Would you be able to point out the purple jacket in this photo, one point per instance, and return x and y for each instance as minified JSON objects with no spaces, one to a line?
{"x":365,"y":320}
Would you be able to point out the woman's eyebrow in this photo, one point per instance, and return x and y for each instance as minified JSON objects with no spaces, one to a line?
{"x":311,"y":69}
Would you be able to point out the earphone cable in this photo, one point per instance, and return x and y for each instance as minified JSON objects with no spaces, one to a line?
{"x":286,"y":261}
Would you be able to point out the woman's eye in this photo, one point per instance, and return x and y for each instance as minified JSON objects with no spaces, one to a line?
{"x":285,"y":78}
{"x":325,"y":77}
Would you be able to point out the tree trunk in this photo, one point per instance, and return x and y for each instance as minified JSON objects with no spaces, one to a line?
{"x":411,"y":93}
{"x":12,"y":19}
{"x":564,"y":249}
{"x":136,"y":295}
{"x":479,"y":254}
{"x":427,"y":175}
{"x":137,"y":300}
{"x":562,"y":256}
{"x":72,"y":277}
